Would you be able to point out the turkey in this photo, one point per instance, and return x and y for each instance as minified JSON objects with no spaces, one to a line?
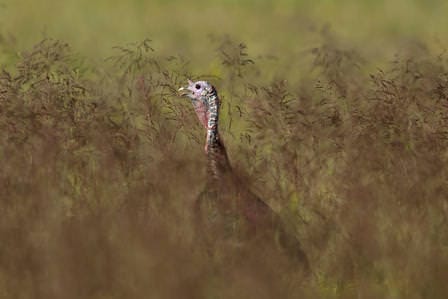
{"x":227,"y":214}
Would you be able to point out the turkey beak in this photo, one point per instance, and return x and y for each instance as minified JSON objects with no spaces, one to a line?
{"x":185,"y":90}
{"x":182,"y":91}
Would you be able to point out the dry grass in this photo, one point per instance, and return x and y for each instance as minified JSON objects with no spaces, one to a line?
{"x":100,"y":166}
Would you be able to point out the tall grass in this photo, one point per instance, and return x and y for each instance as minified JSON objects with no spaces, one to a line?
{"x":100,"y":166}
{"x":345,"y":135}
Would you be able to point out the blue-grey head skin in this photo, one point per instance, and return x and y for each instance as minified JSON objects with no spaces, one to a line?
{"x":206,"y":104}
{"x":198,"y":90}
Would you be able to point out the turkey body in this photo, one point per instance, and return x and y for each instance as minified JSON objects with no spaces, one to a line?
{"x":232,"y":215}
{"x":229,"y":219}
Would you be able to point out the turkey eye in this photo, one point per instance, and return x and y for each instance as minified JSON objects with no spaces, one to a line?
{"x":198,"y":86}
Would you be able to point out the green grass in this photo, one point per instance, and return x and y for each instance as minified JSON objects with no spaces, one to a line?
{"x":334,"y":112}
{"x":268,"y":27}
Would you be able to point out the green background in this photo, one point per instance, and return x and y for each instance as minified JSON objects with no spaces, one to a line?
{"x":334,"y":112}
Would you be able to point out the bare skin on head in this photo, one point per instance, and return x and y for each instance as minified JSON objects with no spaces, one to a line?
{"x":203,"y":96}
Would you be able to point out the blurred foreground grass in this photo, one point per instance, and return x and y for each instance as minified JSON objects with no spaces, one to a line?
{"x":101,"y":160}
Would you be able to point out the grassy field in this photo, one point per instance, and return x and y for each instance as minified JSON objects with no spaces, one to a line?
{"x":335,"y":113}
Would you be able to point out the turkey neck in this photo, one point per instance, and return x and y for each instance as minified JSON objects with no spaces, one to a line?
{"x":218,"y":166}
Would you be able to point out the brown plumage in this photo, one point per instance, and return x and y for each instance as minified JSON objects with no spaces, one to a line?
{"x":228,"y":216}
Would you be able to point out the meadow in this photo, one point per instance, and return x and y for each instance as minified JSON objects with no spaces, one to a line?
{"x":335,"y":113}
